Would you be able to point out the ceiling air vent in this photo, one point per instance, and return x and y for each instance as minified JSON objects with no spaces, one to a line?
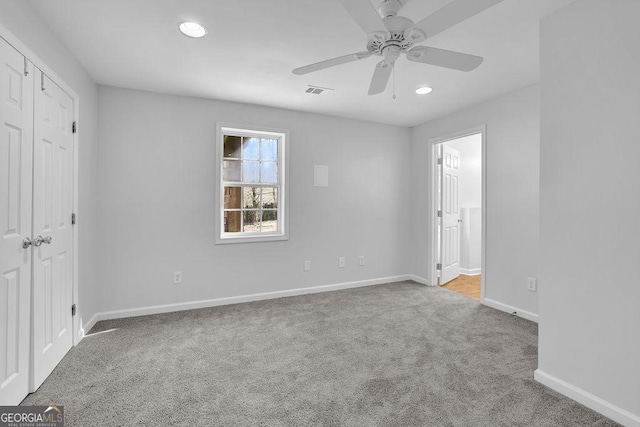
{"x":317,"y":90}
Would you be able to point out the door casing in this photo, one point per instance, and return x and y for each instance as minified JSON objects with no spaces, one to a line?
{"x":433,"y":257}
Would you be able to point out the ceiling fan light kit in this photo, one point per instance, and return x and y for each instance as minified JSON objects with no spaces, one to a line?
{"x":390,"y":35}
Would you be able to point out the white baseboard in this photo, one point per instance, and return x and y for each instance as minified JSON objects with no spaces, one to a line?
{"x":86,"y":327}
{"x":143,"y":311}
{"x":471,"y":271}
{"x":589,"y":400}
{"x":510,"y":309}
{"x":419,"y":279}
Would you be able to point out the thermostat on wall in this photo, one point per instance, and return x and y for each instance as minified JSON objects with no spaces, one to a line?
{"x":321,"y":176}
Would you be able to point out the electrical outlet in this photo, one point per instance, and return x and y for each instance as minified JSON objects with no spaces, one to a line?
{"x":177,"y":277}
{"x":307,"y":266}
{"x":361,"y":260}
{"x":341,"y":262}
{"x":532,"y":284}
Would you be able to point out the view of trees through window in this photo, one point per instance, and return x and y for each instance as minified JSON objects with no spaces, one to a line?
{"x":251,"y":184}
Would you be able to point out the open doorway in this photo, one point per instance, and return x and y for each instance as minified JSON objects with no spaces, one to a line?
{"x":458,"y":226}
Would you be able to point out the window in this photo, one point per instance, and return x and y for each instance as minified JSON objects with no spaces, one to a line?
{"x":252,"y":202}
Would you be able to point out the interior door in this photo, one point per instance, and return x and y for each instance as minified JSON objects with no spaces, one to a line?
{"x":52,"y":209}
{"x":450,"y":224}
{"x":16,"y":118}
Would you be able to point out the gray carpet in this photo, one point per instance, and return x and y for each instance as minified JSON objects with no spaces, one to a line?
{"x":399,"y":354}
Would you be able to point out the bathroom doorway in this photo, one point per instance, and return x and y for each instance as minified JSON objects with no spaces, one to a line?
{"x":458,"y":226}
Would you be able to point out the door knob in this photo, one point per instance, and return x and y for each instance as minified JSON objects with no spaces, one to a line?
{"x":26,"y":242}
{"x":40,"y":240}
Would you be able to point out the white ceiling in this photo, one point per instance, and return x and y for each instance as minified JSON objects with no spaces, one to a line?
{"x":253,"y":45}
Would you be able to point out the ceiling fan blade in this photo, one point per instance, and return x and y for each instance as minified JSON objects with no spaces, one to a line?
{"x":444,"y":58}
{"x":365,"y":15}
{"x":450,"y":15}
{"x":331,"y":62}
{"x":380,"y":78}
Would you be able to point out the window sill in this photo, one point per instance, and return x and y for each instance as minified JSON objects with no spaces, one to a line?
{"x":251,"y":239}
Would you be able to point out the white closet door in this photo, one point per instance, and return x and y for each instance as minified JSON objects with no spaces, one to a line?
{"x":16,"y":138}
{"x":52,"y":209}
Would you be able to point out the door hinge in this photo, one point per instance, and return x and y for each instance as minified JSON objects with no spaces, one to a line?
{"x":73,"y":219}
{"x":438,"y":266}
{"x":26,"y":66}
{"x":439,"y":160}
{"x":73,"y":310}
{"x":439,"y":214}
{"x":74,"y":127}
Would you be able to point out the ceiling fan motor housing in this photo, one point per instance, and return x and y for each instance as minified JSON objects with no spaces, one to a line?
{"x":397,"y":26}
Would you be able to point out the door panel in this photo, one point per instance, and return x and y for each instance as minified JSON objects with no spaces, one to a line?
{"x":450,"y":249}
{"x":52,"y":208}
{"x":16,"y":138}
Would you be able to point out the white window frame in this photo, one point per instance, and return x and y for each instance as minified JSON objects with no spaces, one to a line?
{"x":282,"y":135}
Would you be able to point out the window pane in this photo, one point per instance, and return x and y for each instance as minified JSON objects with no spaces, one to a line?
{"x":251,"y":197}
{"x":232,"y":222}
{"x":250,"y":171}
{"x":232,"y":146}
{"x":232,"y":197}
{"x":251,"y":221}
{"x":269,"y":221}
{"x":231,"y":170}
{"x":251,"y":148}
{"x":269,"y":149}
{"x":269,"y":198}
{"x":269,"y":172}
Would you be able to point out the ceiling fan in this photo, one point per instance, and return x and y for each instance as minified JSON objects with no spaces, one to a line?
{"x":390,"y":35}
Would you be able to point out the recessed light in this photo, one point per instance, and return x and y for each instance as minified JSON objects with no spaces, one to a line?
{"x":192,"y":29}
{"x":423,"y":90}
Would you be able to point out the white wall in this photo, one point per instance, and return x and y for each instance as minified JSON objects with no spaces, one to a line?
{"x":471,"y":241}
{"x":590,"y":205}
{"x":157,"y":202}
{"x":512,"y":164}
{"x":23,"y":21}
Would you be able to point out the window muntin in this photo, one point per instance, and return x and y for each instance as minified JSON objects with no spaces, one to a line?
{"x":252,"y":185}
